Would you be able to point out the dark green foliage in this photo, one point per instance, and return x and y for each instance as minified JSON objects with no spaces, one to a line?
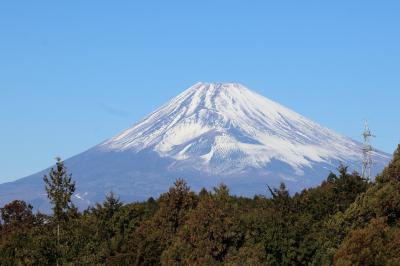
{"x":344,"y":221}
{"x":59,"y":188}
{"x":210,"y":230}
{"x":16,"y":213}
{"x":156,"y":234}
{"x":374,"y":245}
{"x":392,"y":171}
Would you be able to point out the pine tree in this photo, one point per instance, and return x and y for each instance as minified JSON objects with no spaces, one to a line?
{"x":60,"y":188}
{"x":284,"y":233}
{"x":106,"y":222}
{"x":210,"y":230}
{"x":155,"y":235}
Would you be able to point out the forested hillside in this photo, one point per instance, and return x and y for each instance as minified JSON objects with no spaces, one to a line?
{"x":344,"y":221}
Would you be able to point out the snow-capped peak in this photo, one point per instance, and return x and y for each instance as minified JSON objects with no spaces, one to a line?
{"x":210,"y":133}
{"x":222,"y":127}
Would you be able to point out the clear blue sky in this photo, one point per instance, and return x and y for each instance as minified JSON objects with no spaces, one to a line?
{"x":75,"y":73}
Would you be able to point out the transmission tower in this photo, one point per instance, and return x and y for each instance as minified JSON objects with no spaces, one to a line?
{"x":367,"y":153}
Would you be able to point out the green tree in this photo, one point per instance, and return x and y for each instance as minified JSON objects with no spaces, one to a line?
{"x":106,"y":228}
{"x":282,"y":232}
{"x":392,"y":171}
{"x":207,"y":235}
{"x":376,"y":244}
{"x":344,"y":221}
{"x":60,"y":188}
{"x":156,"y":234}
{"x":16,"y":213}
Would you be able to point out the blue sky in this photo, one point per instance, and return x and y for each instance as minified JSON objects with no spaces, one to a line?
{"x":73,"y":74}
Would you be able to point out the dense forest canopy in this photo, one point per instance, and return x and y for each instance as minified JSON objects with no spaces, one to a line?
{"x":344,"y":221}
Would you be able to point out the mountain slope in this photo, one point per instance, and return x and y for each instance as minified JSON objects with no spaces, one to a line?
{"x":222,"y":126}
{"x":210,"y":133}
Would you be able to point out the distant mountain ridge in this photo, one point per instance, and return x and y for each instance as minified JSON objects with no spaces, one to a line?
{"x":210,"y":133}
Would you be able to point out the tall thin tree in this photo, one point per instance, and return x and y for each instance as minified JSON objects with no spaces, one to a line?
{"x":60,"y":188}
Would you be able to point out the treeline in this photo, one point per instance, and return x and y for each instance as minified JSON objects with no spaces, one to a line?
{"x":344,"y":221}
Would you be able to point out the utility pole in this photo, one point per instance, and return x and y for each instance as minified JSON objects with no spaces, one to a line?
{"x":367,"y":153}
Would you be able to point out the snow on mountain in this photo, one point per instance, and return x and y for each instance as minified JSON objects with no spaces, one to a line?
{"x":226,"y":127}
{"x":210,"y":133}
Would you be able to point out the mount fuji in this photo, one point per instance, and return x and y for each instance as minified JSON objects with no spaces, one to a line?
{"x":211,"y":133}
